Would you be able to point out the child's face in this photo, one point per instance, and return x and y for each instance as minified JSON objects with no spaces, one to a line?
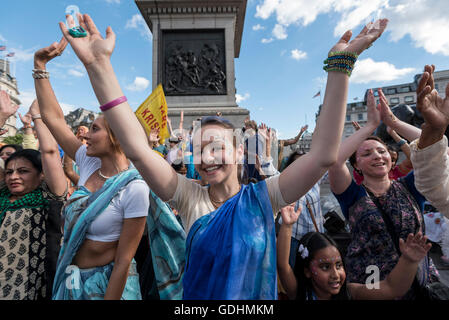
{"x":326,"y":272}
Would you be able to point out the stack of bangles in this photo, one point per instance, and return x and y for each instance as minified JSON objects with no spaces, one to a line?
{"x":341,"y":61}
{"x":40,"y":74}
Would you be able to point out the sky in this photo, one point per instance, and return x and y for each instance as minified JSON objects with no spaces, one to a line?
{"x":280,"y":67}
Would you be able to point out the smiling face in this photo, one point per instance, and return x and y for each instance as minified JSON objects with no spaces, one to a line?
{"x":97,"y":139}
{"x":21,"y":177}
{"x":326,"y":272}
{"x":373,"y":159}
{"x":215,"y":155}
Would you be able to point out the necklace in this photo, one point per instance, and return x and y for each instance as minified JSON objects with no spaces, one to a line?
{"x":106,"y":177}
{"x":215,"y":202}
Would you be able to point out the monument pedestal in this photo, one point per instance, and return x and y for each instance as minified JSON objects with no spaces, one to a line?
{"x":194,"y":46}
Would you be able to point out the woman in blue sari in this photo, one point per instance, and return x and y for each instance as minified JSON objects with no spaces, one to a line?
{"x":230,"y":248}
{"x":105,"y":217}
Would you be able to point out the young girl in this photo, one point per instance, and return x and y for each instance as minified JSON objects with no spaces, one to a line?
{"x":319,"y":272}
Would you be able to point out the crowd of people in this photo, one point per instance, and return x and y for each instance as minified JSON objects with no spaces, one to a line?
{"x":211,"y":214}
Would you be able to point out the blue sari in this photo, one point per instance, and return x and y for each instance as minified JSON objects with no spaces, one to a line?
{"x":167,"y":242}
{"x":231,"y":252}
{"x":83,"y":208}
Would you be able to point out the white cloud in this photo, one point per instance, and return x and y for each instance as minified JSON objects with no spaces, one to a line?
{"x":279,"y":32}
{"x":113,"y":1}
{"x":75,"y":73}
{"x":424,"y":21}
{"x":139,"y":84}
{"x":137,"y":22}
{"x":2,"y":38}
{"x":26,"y":97}
{"x":67,"y":108}
{"x":258,"y":27}
{"x":239,"y":98}
{"x":367,"y":70}
{"x":265,"y":40}
{"x":298,"y":54}
{"x":22,"y":55}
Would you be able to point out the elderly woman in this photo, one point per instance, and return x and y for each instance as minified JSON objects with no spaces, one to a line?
{"x":30,"y":226}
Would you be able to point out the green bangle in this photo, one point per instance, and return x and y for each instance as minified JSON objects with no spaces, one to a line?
{"x":401,"y":142}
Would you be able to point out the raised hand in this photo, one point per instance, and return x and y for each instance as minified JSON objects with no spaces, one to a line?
{"x":415,"y":248}
{"x":7,"y":108}
{"x":373,"y":111}
{"x":154,"y":135}
{"x":386,"y":114}
{"x":34,"y":108}
{"x":364,"y":39}
{"x":304,"y":128}
{"x":42,"y":56}
{"x":434,"y":109}
{"x":93,"y":47}
{"x":356,"y":125}
{"x":26,"y":119}
{"x":289,"y":215}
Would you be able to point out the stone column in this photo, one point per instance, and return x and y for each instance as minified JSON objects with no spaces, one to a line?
{"x":194,"y":46}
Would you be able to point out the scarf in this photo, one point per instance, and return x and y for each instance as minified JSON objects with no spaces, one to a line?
{"x":33,"y":199}
{"x":83,"y":208}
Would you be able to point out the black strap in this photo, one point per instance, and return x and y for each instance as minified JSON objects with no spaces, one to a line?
{"x":391,"y":231}
{"x":387,"y":220}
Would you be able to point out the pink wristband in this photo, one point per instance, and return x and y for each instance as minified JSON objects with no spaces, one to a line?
{"x":113,"y":103}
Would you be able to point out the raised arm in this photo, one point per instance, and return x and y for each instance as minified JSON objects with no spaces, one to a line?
{"x":95,"y":53}
{"x":52,"y":114}
{"x":429,"y":154}
{"x":339,"y":175}
{"x":285,"y":271}
{"x":288,"y":142}
{"x":29,"y":141}
{"x":302,"y":174}
{"x":400,"y":279}
{"x":7,"y":109}
{"x":68,"y":169}
{"x":403,"y":143}
{"x":51,"y":162}
{"x":406,"y":130}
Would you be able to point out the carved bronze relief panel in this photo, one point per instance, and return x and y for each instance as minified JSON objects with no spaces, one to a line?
{"x":193,"y":62}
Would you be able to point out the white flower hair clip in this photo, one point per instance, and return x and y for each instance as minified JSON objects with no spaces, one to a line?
{"x":304,"y":252}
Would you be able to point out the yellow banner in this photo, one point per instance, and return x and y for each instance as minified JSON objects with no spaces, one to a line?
{"x":152,"y":113}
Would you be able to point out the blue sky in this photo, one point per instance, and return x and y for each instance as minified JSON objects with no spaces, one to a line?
{"x":280,"y":65}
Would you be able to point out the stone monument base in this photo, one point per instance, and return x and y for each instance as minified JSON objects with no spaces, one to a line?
{"x":235,"y":115}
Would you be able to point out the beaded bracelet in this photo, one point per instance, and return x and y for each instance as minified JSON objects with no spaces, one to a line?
{"x":340,"y":61}
{"x":40,"y":74}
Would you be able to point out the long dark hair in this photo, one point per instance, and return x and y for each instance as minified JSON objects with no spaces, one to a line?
{"x":313,"y":241}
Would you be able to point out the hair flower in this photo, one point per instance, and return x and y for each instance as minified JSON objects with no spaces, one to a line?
{"x":304,"y":252}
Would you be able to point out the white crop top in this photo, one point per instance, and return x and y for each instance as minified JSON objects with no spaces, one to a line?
{"x":130,"y":202}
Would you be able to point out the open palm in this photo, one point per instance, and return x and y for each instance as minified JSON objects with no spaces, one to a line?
{"x":364,"y":39}
{"x":7,"y":109}
{"x":434,"y":109}
{"x":93,"y":47}
{"x":289,"y":215}
{"x":415,"y":248}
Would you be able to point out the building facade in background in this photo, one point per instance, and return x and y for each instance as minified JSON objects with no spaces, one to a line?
{"x":8,"y":83}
